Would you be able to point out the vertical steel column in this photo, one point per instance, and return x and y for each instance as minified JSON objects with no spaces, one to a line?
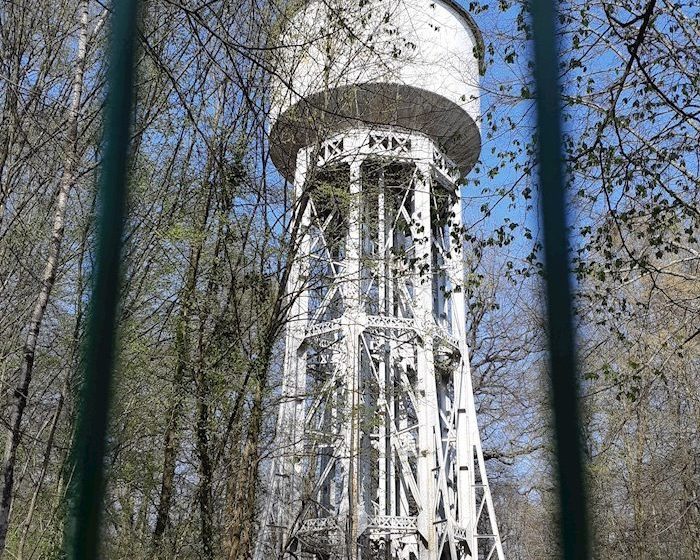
{"x":352,"y":329}
{"x":290,"y":423}
{"x":461,"y":376}
{"x":427,"y":393}
{"x":299,"y":312}
{"x":387,"y":256}
{"x":383,"y":444}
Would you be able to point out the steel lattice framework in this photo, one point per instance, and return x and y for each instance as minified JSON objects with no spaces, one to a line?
{"x":379,"y":449}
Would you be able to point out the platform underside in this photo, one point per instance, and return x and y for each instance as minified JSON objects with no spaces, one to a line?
{"x":372,"y":105}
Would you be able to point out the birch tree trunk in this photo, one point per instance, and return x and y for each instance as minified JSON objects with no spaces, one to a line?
{"x":68,"y":179}
{"x":72,"y":366}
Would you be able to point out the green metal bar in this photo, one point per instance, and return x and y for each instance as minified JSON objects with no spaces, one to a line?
{"x":562,"y":353}
{"x":83,"y":528}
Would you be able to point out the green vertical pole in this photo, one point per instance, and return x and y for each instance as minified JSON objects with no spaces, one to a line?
{"x":562,"y":355}
{"x":87,"y":488}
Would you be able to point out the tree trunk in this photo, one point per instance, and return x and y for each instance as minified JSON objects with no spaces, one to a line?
{"x":42,"y":474}
{"x":170,"y":438}
{"x":48,"y":279}
{"x":204,"y":496}
{"x":233,"y":476}
{"x":202,"y":392}
{"x":242,"y":489}
{"x":170,"y":443}
{"x":9,"y":110}
{"x":73,"y":364}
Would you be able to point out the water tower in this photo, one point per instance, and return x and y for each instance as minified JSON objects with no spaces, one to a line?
{"x":374,"y":119}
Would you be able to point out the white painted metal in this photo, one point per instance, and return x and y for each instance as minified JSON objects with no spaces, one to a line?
{"x":380,"y":450}
{"x":408,"y":63}
{"x":425,"y":44}
{"x":374,"y":117}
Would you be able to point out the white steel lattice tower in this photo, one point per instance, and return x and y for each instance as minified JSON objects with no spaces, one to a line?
{"x":374,"y":119}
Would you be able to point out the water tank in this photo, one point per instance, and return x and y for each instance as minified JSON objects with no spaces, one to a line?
{"x":343,"y":64}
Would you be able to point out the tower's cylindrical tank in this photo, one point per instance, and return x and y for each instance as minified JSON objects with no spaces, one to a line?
{"x":340,"y":64}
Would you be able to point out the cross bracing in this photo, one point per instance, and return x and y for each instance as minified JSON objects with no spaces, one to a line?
{"x":379,"y":449}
